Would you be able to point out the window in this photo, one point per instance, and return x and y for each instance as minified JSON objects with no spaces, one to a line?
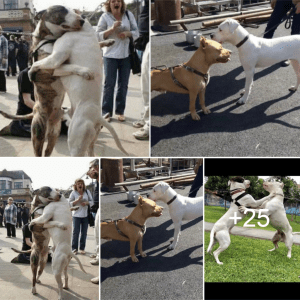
{"x":9,"y":185}
{"x":18,"y":185}
{"x":10,"y":4}
{"x":2,"y":184}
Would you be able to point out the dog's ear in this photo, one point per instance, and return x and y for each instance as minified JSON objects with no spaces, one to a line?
{"x":39,"y":15}
{"x":232,"y":24}
{"x":141,"y":201}
{"x":247,"y":183}
{"x":36,"y":192}
{"x":203,"y":42}
{"x":229,"y":181}
{"x":282,"y":185}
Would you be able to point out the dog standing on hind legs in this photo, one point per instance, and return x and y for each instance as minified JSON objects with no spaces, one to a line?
{"x":221,"y":230}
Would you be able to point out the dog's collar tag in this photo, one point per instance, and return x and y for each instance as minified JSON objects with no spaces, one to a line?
{"x":169,"y":202}
{"x":242,"y":42}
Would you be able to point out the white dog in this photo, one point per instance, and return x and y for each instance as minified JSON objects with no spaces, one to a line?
{"x":276,"y":212}
{"x":58,"y":211}
{"x":180,"y":207}
{"x":221,"y":229}
{"x":259,"y":52}
{"x":80,"y":48}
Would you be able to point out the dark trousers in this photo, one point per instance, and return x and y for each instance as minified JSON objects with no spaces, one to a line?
{"x":2,"y":81}
{"x":11,"y":230}
{"x":197,"y":183}
{"x":1,"y":221}
{"x":280,"y":10}
{"x":115,"y":68}
{"x":80,"y":227}
{"x":12,"y":63}
{"x":22,"y":63}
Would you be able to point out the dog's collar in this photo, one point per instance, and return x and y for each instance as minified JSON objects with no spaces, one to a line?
{"x":41,"y":206}
{"x":279,"y":194}
{"x":238,"y":198}
{"x":236,"y":191}
{"x":205,"y":76}
{"x":169,"y":202}
{"x":242,"y":42}
{"x":136,"y":224}
{"x":35,"y":52}
{"x":143,"y":227}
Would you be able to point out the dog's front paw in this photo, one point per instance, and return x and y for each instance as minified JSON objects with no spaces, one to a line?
{"x":63,"y":227}
{"x":206,"y":111}
{"x":143,"y":254}
{"x":87,"y":74}
{"x":171,"y":247}
{"x":242,"y":92}
{"x":242,"y":101}
{"x":134,"y":259}
{"x":292,"y":89}
{"x":31,"y":225}
{"x":195,"y":116}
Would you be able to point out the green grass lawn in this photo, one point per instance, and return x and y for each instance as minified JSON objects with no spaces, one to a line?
{"x":214,"y":213}
{"x":248,"y":259}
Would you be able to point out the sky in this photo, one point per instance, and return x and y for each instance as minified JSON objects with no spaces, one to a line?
{"x":79,"y":4}
{"x":56,"y":172}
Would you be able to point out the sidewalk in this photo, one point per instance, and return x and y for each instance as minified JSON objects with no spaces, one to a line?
{"x":105,"y":145}
{"x":251,"y":232}
{"x":15,"y":279}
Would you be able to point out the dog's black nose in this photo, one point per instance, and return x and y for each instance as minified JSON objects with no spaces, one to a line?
{"x":81,"y":22}
{"x":211,"y":35}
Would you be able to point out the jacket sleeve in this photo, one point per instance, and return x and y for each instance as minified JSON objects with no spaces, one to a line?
{"x":133,"y":26}
{"x":72,"y":198}
{"x":4,"y":47}
{"x":101,"y":28}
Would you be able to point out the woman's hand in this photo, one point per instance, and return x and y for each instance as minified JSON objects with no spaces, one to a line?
{"x":116,"y":25}
{"x":84,"y":203}
{"x":123,"y":35}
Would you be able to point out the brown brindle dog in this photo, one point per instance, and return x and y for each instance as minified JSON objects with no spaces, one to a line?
{"x":132,"y":228}
{"x":193,"y":75}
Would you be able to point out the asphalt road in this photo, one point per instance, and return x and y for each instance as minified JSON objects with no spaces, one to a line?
{"x":267,"y":125}
{"x":163,"y":274}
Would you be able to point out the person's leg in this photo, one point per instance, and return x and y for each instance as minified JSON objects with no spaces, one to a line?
{"x":13,"y":230}
{"x":197,"y":183}
{"x":110,"y":72}
{"x":76,"y":230}
{"x":123,"y":80}
{"x":83,"y":235}
{"x":2,"y":81}
{"x":8,"y":230}
{"x":296,"y":24}
{"x":280,"y":10}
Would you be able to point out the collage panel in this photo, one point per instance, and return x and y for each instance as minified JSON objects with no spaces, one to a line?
{"x":163,"y":256}
{"x":251,"y":223}
{"x":74,"y":78}
{"x":48,"y":228}
{"x":222,"y":74}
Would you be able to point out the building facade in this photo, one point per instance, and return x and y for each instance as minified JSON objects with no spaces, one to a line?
{"x":17,"y":16}
{"x":15,"y":184}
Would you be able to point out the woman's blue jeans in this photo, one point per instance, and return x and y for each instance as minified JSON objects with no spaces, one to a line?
{"x":80,"y":227}
{"x":115,"y":68}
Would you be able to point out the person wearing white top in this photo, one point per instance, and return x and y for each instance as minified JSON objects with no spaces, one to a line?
{"x":120,"y":25}
{"x":80,"y":197}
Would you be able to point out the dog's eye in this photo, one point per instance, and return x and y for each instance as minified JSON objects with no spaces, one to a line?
{"x":220,"y":29}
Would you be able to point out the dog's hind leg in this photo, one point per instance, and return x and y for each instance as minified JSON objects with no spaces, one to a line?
{"x":38,"y":132}
{"x":177,"y":227}
{"x":276,"y":238}
{"x":66,"y":283}
{"x":223,"y":238}
{"x":296,"y":67}
{"x":289,"y":242}
{"x":42,"y":264}
{"x":34,"y":263}
{"x":52,"y":135}
{"x":91,"y":148}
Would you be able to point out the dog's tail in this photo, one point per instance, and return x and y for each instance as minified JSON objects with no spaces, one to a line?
{"x":114,"y":134}
{"x":212,"y":237}
{"x":19,"y":251}
{"x":79,"y":262}
{"x":15,"y":117}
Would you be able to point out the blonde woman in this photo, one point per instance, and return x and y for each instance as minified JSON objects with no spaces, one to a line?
{"x":80,"y":197}
{"x":10,"y":216}
{"x":120,"y":25}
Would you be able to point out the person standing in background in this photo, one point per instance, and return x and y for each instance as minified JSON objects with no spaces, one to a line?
{"x":10,"y":215}
{"x":22,"y":55}
{"x":12,"y":53}
{"x":3,"y":61}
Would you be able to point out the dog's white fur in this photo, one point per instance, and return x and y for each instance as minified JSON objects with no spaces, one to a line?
{"x":221,"y":230}
{"x":59,"y":212}
{"x":181,"y":209}
{"x":259,"y":52}
{"x":277,"y":215}
{"x":81,"y":48}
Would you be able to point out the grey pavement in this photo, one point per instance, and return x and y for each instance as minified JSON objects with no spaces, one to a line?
{"x":267,"y":125}
{"x":15,"y":279}
{"x":163,"y":274}
{"x":251,"y":232}
{"x":105,"y":145}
